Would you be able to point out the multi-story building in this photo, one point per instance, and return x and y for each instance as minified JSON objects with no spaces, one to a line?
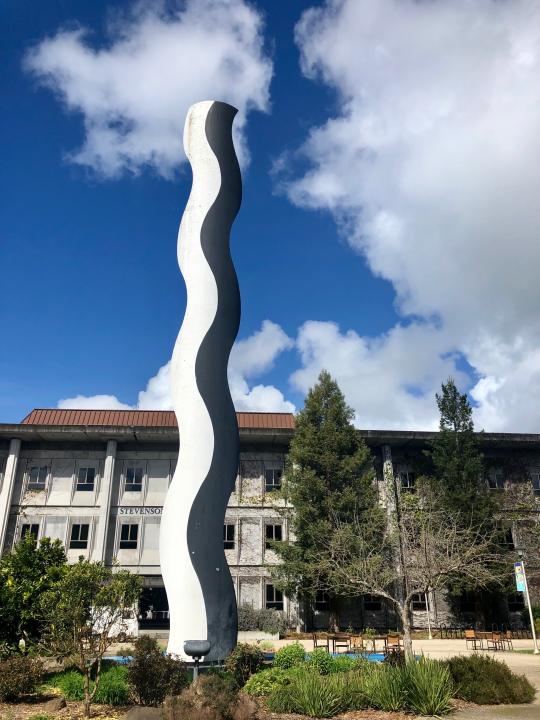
{"x":97,"y":481}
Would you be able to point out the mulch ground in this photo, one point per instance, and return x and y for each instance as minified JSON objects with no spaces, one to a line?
{"x":75,"y":711}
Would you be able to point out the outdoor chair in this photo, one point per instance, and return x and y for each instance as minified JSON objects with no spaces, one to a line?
{"x":321,"y":642}
{"x":341,"y":640}
{"x":472,"y":638}
{"x":506,"y":637}
{"x":357,"y":644}
{"x":393,"y":642}
{"x":495,"y":642}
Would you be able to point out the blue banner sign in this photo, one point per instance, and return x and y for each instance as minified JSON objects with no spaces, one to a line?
{"x":520,"y":576}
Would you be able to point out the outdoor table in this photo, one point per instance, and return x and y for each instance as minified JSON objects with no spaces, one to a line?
{"x":339,"y":640}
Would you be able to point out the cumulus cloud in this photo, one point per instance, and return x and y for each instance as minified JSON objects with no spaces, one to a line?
{"x":90,"y":402}
{"x":133,"y":90}
{"x":430,"y":168}
{"x":250,"y":358}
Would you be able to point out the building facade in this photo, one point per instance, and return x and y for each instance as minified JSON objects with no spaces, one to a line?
{"x":97,"y":480}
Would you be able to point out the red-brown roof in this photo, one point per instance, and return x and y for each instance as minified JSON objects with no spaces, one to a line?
{"x":148,"y":418}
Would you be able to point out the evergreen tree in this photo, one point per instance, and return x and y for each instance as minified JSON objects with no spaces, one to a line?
{"x":329,"y":482}
{"x":458,"y":476}
{"x":456,"y":457}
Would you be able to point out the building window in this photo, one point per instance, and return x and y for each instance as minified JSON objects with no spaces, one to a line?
{"x":495,"y":479}
{"x":37,"y":477}
{"x":32,"y":528}
{"x":272,"y":479}
{"x":515,"y":602}
{"x":79,"y":537}
{"x":228,"y":536}
{"x":85,"y":479}
{"x":129,"y":535}
{"x":273,"y":532}
{"x":321,"y":601}
{"x":372,"y":603}
{"x":535,"y":479}
{"x":134,"y":477}
{"x":418,"y":601}
{"x":274,"y":598}
{"x":407,"y":480}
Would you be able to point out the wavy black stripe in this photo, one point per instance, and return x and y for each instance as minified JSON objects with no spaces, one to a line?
{"x":204,"y":533}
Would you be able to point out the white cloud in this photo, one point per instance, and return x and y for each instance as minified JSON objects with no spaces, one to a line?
{"x":134,"y":90}
{"x":430,"y":167}
{"x":250,"y":358}
{"x":89,"y":402}
{"x":389,"y":380}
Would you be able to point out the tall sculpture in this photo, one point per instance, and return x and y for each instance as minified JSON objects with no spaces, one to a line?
{"x":200,"y":591}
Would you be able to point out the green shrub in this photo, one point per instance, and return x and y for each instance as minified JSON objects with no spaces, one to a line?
{"x":152,"y":675}
{"x":113,"y":688}
{"x":321,"y":661}
{"x":428,"y":687}
{"x":264,"y":619}
{"x":311,"y":694}
{"x":19,"y":675}
{"x":41,"y":716}
{"x":382,"y":688}
{"x":70,"y":683}
{"x":289,"y":656}
{"x":343,"y":663}
{"x":244,"y":660}
{"x":211,"y":696}
{"x":486,"y":681}
{"x":266,"y":681}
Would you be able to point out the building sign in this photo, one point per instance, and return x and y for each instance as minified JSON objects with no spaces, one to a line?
{"x":520,"y":577}
{"x":142,"y":510}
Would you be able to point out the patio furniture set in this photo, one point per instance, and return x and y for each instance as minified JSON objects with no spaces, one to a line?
{"x":494,"y":640}
{"x":358,"y":644}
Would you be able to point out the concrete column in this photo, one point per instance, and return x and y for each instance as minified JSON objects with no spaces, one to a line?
{"x":6,"y":491}
{"x":393,"y":514}
{"x":105,"y":509}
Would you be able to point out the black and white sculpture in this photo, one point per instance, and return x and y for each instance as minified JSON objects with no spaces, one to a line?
{"x":200,"y":591}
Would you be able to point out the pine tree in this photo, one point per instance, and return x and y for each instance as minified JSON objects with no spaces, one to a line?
{"x":455,"y":453}
{"x":329,"y":482}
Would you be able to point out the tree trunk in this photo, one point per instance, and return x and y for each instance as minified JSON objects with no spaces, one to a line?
{"x":407,"y":641}
{"x":87,"y":700}
{"x":333,"y":615}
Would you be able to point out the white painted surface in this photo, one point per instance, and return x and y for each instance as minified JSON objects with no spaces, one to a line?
{"x":186,"y":602}
{"x":6,"y":491}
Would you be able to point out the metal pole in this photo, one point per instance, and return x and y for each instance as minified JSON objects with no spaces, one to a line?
{"x":536,"y":650}
{"x":430,"y":636}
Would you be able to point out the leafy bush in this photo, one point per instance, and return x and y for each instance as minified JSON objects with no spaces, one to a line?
{"x":41,"y":716}
{"x":266,"y":681}
{"x":152,"y":675}
{"x":19,"y":675}
{"x":113,"y":688}
{"x":321,"y":661}
{"x":311,"y":694}
{"x":428,"y":687}
{"x":343,"y":663}
{"x":70,"y":683}
{"x":382,"y":688}
{"x":289,"y":656}
{"x":486,"y":681}
{"x":244,"y":660}
{"x":264,"y":619}
{"x":212,"y":696}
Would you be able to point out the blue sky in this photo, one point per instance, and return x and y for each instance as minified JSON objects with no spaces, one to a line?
{"x":390,"y":173}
